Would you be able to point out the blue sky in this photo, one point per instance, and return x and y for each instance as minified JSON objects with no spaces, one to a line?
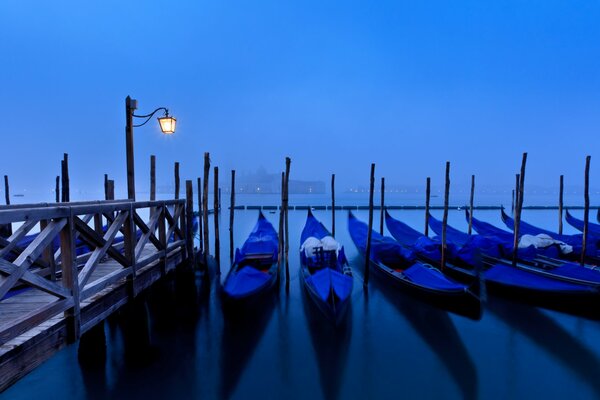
{"x":335,"y":85}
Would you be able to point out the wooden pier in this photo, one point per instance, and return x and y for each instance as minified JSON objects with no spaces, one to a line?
{"x":88,"y":260}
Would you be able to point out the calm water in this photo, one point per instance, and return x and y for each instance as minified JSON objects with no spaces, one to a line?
{"x":175,"y":341}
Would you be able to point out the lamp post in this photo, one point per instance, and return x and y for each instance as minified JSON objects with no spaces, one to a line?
{"x":167,"y":126}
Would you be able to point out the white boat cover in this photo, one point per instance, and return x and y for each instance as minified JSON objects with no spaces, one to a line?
{"x":542,"y":241}
{"x":328,"y":243}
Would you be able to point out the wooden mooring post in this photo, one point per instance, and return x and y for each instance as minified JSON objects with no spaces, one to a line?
{"x":280,"y":231}
{"x":427,"y":199}
{"x":177,"y":181}
{"x":105,"y":186}
{"x":333,"y":205}
{"x":381,"y":211}
{"x":216,"y":215}
{"x":370,"y":228}
{"x":560,"y":204}
{"x":586,"y":208}
{"x":189,"y":223}
{"x":471,"y":204}
{"x":205,"y":207}
{"x":288,"y":162}
{"x":57,"y":189}
{"x":66,"y":195}
{"x":152,"y":177}
{"x":231,"y":214}
{"x":519,"y":208}
{"x":200,"y":228}
{"x":445,"y":218}
{"x":6,"y":229}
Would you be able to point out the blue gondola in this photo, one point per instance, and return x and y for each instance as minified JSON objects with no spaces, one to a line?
{"x":254,"y":271}
{"x":464,"y":255}
{"x":573,"y":240}
{"x":547,"y":266}
{"x":593,"y":229}
{"x":324,"y":270}
{"x":395,"y":264}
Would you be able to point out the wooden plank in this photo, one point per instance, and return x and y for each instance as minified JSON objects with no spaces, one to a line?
{"x":33,"y":318}
{"x":102,"y":283}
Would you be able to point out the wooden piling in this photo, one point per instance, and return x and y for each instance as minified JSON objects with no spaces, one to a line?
{"x":560,"y":205}
{"x":66,"y":196}
{"x":519,"y":208}
{"x":286,"y":225}
{"x":111,"y":190}
{"x":471,"y":204}
{"x":333,"y":205}
{"x":105,"y":185}
{"x":512,"y":205}
{"x":205,"y":207}
{"x":200,"y":229}
{"x":427,"y":197}
{"x":152,"y":177}
{"x":57,"y":189}
{"x":6,"y":230}
{"x":189,"y":223}
{"x":231,"y":214}
{"x":280,"y":231}
{"x":176,"y":180}
{"x":216,"y":215}
{"x":370,"y":230}
{"x":586,"y":209}
{"x":382,"y":206}
{"x":6,"y":191}
{"x":445,"y":219}
{"x":219,"y":203}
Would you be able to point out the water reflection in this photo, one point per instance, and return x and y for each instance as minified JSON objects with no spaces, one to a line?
{"x":330,"y":344}
{"x":552,"y":337}
{"x":243,"y":328}
{"x":436,"y":328}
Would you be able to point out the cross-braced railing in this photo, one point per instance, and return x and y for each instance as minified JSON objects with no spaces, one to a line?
{"x":71,"y":240}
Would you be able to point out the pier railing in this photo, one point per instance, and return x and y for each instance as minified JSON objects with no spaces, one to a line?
{"x":74,"y":242}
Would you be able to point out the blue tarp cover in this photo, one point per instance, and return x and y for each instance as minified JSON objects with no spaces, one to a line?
{"x":324,"y":279}
{"x":512,"y":276}
{"x":383,"y":249}
{"x":431,"y":277}
{"x":453,"y":235}
{"x":313,"y":228}
{"x":245,"y":281}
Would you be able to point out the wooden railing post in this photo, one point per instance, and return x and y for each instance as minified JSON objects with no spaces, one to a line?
{"x":162,"y":236}
{"x":70,"y":277}
{"x":129,"y":240}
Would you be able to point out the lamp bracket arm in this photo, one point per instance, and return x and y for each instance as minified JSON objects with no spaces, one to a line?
{"x":148,"y":116}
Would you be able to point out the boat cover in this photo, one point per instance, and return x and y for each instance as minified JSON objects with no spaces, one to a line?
{"x":325,"y":280}
{"x":408,"y":236}
{"x":512,"y":276}
{"x":428,"y":276}
{"x":247,"y":279}
{"x":384,"y":249}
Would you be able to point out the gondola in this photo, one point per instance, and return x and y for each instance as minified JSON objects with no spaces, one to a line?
{"x":520,"y":282}
{"x":576,"y":223}
{"x":575,"y":241}
{"x":399,"y":266}
{"x":324,"y":271}
{"x":254,"y":271}
{"x":540,"y":261}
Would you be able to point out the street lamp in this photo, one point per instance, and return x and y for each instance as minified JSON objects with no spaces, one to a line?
{"x":167,"y":126}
